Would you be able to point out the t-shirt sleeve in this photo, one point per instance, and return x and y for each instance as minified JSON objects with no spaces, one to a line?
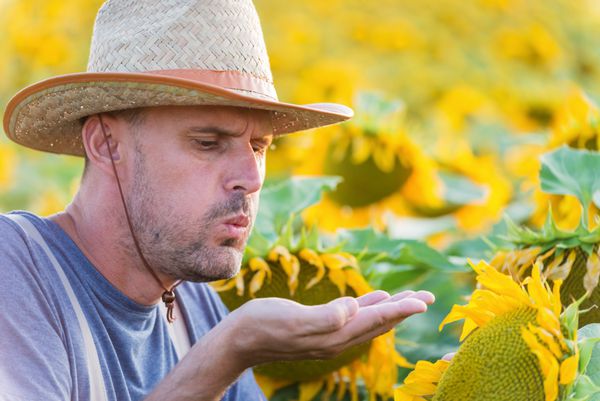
{"x":34,"y":364}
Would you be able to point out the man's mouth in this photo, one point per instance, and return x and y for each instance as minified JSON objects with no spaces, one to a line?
{"x":237,"y":226}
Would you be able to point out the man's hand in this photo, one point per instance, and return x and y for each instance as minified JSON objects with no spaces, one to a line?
{"x":271,"y":329}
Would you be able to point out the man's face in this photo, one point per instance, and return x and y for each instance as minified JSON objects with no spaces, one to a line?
{"x":195,"y":182}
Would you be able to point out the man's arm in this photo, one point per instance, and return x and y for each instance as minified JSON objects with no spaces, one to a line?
{"x":34,"y":363}
{"x":271,"y":329}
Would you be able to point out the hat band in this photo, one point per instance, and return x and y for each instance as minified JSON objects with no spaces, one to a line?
{"x":234,"y":80}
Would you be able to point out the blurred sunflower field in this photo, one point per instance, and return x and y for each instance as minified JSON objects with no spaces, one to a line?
{"x":470,"y":170}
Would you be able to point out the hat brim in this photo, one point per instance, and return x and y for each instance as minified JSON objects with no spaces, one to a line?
{"x":46,"y":116}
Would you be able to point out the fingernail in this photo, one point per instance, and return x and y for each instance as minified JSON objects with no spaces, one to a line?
{"x":426,"y":297}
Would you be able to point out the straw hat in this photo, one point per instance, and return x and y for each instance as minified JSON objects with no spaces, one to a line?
{"x":157,"y":53}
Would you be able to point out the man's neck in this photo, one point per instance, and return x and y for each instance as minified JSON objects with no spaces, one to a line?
{"x":109,"y":247}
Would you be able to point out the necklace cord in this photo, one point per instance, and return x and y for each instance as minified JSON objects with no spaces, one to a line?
{"x":168,"y":296}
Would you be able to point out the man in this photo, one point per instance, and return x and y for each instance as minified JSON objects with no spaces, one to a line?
{"x":174,"y":117}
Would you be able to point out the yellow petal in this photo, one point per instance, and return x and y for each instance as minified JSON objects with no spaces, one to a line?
{"x":592,"y":275}
{"x":468,"y":327}
{"x":498,"y":260}
{"x":499,"y":283}
{"x":313,"y":259}
{"x":425,"y":371}
{"x":548,"y":340}
{"x":223,"y":285}
{"x":257,"y":282}
{"x":561,"y":272}
{"x":536,"y":289}
{"x":385,"y":158}
{"x":475,"y":316}
{"x":357,"y":282}
{"x":401,"y":361}
{"x":317,"y":278}
{"x":338,"y":260}
{"x":291,"y":266}
{"x":545,"y":357}
{"x":269,"y":385}
{"x":276,"y":252}
{"x":308,"y":390}
{"x":422,"y":381}
{"x":556,"y":302}
{"x":361,"y":149}
{"x":401,"y":395}
{"x":341,"y":389}
{"x":257,"y":264}
{"x":353,"y":386}
{"x":239,"y":283}
{"x":568,"y":369}
{"x":546,"y":255}
{"x":551,"y":382}
{"x":549,"y":321}
{"x":338,"y":277}
{"x":527,"y":256}
{"x":330,"y":385}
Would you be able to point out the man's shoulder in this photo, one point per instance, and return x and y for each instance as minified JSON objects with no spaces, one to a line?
{"x":12,"y":237}
{"x":9,"y":227}
{"x":18,"y":255}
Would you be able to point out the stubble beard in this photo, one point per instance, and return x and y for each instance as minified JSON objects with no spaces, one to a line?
{"x":178,"y":246}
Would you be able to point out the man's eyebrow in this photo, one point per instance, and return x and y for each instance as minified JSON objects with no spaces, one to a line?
{"x":215,"y":129}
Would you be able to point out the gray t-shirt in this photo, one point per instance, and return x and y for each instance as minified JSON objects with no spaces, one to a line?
{"x":42,"y":355}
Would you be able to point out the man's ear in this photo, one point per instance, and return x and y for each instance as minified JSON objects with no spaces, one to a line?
{"x":95,"y":143}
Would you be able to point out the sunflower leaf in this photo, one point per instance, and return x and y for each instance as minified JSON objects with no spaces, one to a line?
{"x":586,"y":390}
{"x":372,"y":244}
{"x":257,"y":245}
{"x":460,"y":190}
{"x":280,"y":200}
{"x":590,"y":355}
{"x":567,"y":171}
{"x":571,"y":316}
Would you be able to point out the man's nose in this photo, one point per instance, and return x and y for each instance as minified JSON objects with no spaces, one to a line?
{"x":245,"y":171}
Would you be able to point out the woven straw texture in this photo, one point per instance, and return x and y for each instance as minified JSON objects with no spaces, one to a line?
{"x":150,"y":35}
{"x":134,"y":44}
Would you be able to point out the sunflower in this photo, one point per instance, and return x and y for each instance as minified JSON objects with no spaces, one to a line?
{"x":311,"y":277}
{"x":516,"y":345}
{"x":570,"y":255}
{"x":455,"y":155}
{"x":577,"y":125}
{"x":382,"y":169}
{"x":577,"y":265}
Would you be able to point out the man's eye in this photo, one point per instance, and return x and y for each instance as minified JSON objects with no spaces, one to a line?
{"x":259,"y":149}
{"x":207,"y":144}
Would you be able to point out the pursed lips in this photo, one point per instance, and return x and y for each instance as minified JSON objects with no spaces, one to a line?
{"x":237,"y":226}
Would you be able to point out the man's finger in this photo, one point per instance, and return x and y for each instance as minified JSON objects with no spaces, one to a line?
{"x":425,"y":296}
{"x":372,"y":298}
{"x":400,"y":296}
{"x":330,"y":317}
{"x":375,"y":320}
